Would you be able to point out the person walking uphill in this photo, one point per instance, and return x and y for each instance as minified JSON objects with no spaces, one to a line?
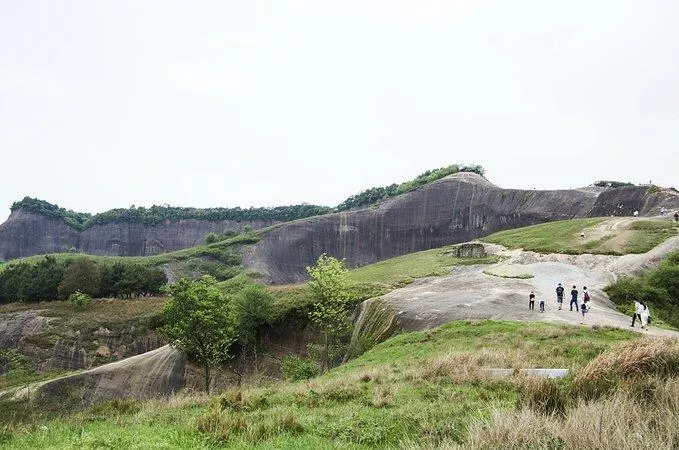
{"x":531,"y":301}
{"x":574,"y":299}
{"x":559,"y":295}
{"x":637,"y":313}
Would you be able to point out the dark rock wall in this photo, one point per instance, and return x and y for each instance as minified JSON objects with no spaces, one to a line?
{"x":26,"y":234}
{"x":449,"y":211}
{"x":455,"y":209}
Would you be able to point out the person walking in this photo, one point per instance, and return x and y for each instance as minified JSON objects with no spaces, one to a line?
{"x":574,"y":299}
{"x":584,"y":309}
{"x":559,"y":295}
{"x":585,"y":294}
{"x":542,"y":305}
{"x":676,"y":217}
{"x":531,"y":301}
{"x":637,"y":313}
{"x":645,"y":314}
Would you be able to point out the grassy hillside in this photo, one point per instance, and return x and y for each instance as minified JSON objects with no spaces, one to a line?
{"x":594,"y":235}
{"x":417,"y":390}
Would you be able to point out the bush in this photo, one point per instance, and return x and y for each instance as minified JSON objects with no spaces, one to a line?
{"x":295,"y":368}
{"x":79,"y":301}
{"x":628,"y":360}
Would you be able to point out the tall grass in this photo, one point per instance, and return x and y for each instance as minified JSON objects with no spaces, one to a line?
{"x":617,"y":421}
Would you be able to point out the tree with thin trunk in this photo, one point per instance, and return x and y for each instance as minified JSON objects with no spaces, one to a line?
{"x":197,"y":321}
{"x":331,"y":303}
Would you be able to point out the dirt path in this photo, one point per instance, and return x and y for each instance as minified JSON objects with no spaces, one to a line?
{"x":613,"y":233}
{"x":483,"y":292}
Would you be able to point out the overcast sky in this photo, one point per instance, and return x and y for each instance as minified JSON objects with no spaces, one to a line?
{"x":106,"y":104}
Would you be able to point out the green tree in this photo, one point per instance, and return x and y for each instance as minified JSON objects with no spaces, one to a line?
{"x":331,"y":303}
{"x":81,"y":275}
{"x":197,"y":321}
{"x":251,"y":309}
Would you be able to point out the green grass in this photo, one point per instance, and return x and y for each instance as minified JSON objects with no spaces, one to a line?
{"x":553,"y":237}
{"x":650,"y":233}
{"x":564,"y":237}
{"x":411,"y":388}
{"x":402,"y":270}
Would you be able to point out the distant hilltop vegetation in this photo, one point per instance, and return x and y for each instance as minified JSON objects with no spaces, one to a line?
{"x":438,"y":207}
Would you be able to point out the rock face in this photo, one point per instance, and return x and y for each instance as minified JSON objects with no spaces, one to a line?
{"x":458,"y":208}
{"x":156,"y":373}
{"x":15,"y":328}
{"x":25,"y":234}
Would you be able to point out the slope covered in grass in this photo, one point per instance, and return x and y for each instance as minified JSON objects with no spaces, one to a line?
{"x":423,"y":387}
{"x":593,"y":235}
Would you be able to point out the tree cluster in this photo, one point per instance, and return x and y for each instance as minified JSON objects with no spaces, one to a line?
{"x":214,"y":326}
{"x":658,"y":288}
{"x":158,"y":214}
{"x":52,"y":279}
{"x":612,"y":184}
{"x":377,"y":194}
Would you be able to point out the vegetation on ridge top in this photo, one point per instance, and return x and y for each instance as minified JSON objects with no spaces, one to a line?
{"x":158,"y":214}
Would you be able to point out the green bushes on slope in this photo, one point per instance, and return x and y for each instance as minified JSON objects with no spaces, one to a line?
{"x":658,"y":288}
{"x":51,"y":279}
{"x":377,"y":194}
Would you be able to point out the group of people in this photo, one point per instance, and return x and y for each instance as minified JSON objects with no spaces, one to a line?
{"x":583,"y":307}
{"x":642,"y":313}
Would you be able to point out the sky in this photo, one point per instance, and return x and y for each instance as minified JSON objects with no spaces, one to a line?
{"x":116,"y":103}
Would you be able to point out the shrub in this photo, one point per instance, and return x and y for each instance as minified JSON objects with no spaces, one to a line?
{"x":295,"y":368}
{"x":628,"y":360}
{"x":79,"y":301}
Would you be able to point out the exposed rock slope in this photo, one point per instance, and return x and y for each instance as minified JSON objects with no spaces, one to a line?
{"x":457,"y":208}
{"x":26,"y":234}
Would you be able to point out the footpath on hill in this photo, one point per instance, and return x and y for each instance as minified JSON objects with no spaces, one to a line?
{"x":501,"y":291}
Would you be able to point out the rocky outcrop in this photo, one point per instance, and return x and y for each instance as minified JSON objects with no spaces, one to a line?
{"x":25,"y":234}
{"x":16,"y":328}
{"x":458,"y":208}
{"x":153,"y":374}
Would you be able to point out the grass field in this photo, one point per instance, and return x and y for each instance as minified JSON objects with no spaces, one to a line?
{"x":565,"y":237}
{"x":416,"y":390}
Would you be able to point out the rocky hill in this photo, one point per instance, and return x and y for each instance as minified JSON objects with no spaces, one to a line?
{"x":457,"y":208}
{"x":26,"y":233}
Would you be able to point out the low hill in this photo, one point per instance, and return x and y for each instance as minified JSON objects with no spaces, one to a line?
{"x":426,"y":389}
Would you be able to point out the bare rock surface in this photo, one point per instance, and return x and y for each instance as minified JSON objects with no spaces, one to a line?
{"x":157,"y":373}
{"x":457,"y":208}
{"x":16,"y":327}
{"x":481,"y":292}
{"x":26,"y":233}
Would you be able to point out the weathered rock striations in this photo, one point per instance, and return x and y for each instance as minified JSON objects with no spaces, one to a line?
{"x":455,"y":209}
{"x":458,"y":208}
{"x":25,"y":234}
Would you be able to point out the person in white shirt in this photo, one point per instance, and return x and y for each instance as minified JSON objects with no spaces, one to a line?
{"x":637,"y":313}
{"x":645,"y":314}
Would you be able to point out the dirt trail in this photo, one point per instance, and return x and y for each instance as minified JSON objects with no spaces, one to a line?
{"x":614,"y":233}
{"x":482,"y":292}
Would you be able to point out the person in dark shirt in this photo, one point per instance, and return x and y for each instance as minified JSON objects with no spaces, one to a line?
{"x":559,"y":295}
{"x":531,"y":300}
{"x":574,"y":299}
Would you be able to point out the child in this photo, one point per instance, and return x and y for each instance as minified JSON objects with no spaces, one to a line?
{"x":584,"y":309}
{"x":542,"y":305}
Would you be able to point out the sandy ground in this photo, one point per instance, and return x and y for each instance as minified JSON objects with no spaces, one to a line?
{"x":484,"y":292}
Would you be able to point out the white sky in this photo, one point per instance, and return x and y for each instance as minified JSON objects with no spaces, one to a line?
{"x":106,"y":104}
